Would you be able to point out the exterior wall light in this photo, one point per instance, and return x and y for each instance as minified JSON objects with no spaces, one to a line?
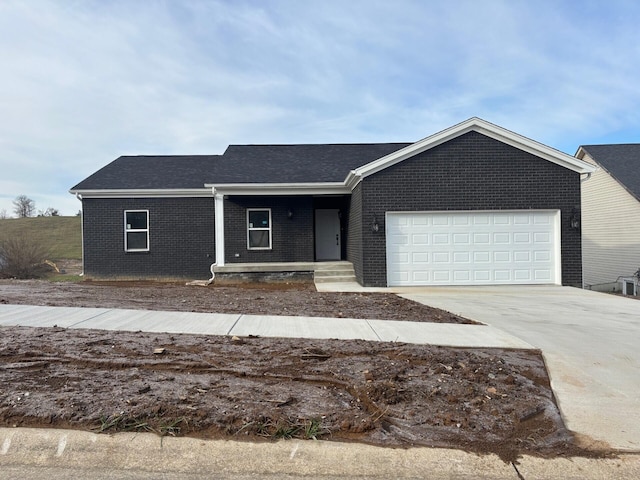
{"x":374,"y":224}
{"x":574,"y":221}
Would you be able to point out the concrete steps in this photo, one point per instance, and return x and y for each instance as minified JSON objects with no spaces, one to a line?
{"x":331,"y":272}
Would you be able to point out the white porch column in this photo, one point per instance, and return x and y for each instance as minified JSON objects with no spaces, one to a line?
{"x":219,"y":226}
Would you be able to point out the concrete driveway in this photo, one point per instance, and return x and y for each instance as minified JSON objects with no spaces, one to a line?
{"x":590,"y":341}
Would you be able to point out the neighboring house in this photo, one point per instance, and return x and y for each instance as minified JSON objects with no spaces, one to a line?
{"x":474,"y":204}
{"x":611,"y":215}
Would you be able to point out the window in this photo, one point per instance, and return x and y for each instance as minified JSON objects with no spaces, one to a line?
{"x":136,"y":230}
{"x":259,"y":229}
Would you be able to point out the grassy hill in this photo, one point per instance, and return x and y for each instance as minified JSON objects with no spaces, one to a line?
{"x":62,"y":236}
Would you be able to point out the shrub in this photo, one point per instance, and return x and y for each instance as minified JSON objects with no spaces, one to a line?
{"x":22,"y":257}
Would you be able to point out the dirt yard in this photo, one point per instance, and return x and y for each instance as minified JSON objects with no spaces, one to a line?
{"x":388,"y":394}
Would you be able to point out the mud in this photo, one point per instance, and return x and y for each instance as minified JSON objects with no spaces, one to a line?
{"x":257,"y":299}
{"x":260,"y":389}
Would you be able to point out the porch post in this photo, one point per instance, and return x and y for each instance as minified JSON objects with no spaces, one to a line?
{"x":219,"y":226}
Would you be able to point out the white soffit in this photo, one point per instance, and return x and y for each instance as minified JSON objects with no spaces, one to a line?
{"x":143,"y":193}
{"x":481,"y":126}
{"x":320,"y":188}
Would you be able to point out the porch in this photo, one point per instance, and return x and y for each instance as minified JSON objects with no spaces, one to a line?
{"x":318,"y":272}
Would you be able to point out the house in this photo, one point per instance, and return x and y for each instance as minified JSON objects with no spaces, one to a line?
{"x":474,"y":204}
{"x":611,"y":217}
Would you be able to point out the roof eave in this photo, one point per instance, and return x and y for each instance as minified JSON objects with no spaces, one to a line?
{"x":320,"y":188}
{"x":485,"y":128}
{"x":142,"y":193}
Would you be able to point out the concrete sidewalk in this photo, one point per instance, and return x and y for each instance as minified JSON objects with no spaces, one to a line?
{"x":42,"y":454}
{"x":445,"y":334}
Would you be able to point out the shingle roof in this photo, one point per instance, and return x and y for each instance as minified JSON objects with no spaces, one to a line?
{"x":239,"y":164}
{"x":152,"y":172}
{"x":621,"y":161}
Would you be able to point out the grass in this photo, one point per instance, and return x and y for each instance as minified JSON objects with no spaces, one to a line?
{"x":285,"y":428}
{"x":123,"y":423}
{"x":61,"y":236}
{"x":61,"y":277}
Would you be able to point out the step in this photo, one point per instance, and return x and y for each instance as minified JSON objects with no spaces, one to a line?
{"x":331,"y":273}
{"x":335,"y":279}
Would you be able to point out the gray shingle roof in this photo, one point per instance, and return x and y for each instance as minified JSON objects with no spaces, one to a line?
{"x":621,"y":161}
{"x":239,"y":164}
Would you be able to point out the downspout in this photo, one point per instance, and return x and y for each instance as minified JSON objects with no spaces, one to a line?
{"x":79,"y":197}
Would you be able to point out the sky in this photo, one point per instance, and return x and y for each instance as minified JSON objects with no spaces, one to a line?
{"x":83,"y":82}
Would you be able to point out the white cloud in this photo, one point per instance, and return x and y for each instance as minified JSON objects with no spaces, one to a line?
{"x":88,"y":81}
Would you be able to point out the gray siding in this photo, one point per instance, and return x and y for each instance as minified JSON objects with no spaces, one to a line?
{"x":471,"y":172}
{"x":181,"y":238}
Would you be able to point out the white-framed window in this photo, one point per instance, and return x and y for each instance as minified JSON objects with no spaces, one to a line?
{"x":136,"y":230}
{"x":259,"y":228}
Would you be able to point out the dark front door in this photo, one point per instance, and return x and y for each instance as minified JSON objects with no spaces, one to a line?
{"x":328,"y":234}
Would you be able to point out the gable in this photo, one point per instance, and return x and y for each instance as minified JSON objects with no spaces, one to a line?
{"x":480,"y":126}
{"x":473,"y":172}
{"x":621,"y":162}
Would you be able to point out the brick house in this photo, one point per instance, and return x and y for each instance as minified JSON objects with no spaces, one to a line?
{"x":475,"y":204}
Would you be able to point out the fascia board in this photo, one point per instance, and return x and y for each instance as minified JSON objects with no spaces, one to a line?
{"x":581,"y":153}
{"x":480,"y":126}
{"x":143,"y":193}
{"x":352,"y":180}
{"x":324,"y":188}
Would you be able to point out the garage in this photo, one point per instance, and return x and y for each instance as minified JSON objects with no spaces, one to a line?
{"x":473,"y":248}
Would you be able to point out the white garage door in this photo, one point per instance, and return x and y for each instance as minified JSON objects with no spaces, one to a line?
{"x":473,"y":248}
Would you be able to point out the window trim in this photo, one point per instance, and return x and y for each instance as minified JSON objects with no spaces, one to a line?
{"x":134,"y":230}
{"x":252,"y":229}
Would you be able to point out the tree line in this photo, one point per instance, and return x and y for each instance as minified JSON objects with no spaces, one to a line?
{"x":25,"y":207}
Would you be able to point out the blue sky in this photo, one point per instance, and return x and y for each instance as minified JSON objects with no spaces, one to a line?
{"x":84,"y":82}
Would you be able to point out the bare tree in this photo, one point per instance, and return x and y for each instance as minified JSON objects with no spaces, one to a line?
{"x":49,"y":212}
{"x":3,"y":214}
{"x":24,"y":207}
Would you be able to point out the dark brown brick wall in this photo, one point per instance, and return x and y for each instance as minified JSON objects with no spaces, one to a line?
{"x":292,"y":239}
{"x":471,"y":172}
{"x":181,"y":238}
{"x":354,"y":245}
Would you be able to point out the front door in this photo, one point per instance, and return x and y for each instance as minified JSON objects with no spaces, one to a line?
{"x":328,"y":234}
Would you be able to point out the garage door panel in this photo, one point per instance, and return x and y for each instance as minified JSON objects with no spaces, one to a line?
{"x":501,"y":238}
{"x":470,"y":248}
{"x":461,"y":239}
{"x":461,"y":257}
{"x":481,"y":257}
{"x":541,"y":237}
{"x":482,"y":276}
{"x":420,"y":257}
{"x":440,"y":239}
{"x":481,"y":238}
{"x":420,"y":239}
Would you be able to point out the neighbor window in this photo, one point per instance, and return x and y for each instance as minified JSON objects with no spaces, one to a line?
{"x":136,"y":230}
{"x":259,"y":229}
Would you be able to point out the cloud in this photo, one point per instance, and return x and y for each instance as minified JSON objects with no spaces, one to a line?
{"x":89,"y":81}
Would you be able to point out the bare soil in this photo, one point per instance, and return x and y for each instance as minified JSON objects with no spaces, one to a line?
{"x":388,"y":394}
{"x":245,"y":298}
